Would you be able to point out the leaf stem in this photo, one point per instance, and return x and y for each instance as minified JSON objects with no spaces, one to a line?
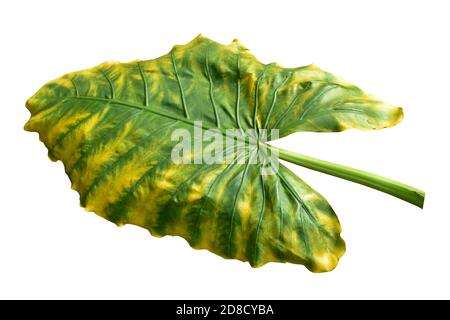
{"x":392,"y":187}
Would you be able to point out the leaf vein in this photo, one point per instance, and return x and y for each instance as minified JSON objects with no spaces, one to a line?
{"x":211,"y":90}
{"x":233,"y":210}
{"x":255,"y":110}
{"x":238,"y":94}
{"x":177,"y":76}
{"x":274,"y":99}
{"x":111,"y":87}
{"x":144,"y":80}
{"x":261,"y":215}
{"x":74,"y":86}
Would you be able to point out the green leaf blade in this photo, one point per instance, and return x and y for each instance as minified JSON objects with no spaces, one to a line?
{"x":111,"y":126}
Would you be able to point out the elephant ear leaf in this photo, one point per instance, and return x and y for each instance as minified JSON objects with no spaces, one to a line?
{"x":112,"y":127}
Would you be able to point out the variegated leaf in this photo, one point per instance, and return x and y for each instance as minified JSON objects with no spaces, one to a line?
{"x":111,"y":126}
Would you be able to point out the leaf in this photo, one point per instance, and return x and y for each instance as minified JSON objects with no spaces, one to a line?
{"x":111,"y":126}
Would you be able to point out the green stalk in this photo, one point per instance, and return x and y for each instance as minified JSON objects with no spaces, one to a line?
{"x":394,"y":188}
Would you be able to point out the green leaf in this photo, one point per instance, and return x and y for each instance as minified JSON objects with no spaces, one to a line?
{"x":111,"y":126}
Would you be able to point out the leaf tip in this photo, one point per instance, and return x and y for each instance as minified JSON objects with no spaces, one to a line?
{"x":328,"y":261}
{"x":32,"y":103}
{"x":200,"y":36}
{"x":398,"y":115}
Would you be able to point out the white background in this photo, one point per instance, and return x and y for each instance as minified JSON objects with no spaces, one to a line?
{"x":52,"y":248}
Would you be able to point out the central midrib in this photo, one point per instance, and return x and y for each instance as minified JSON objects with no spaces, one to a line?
{"x":166,"y":114}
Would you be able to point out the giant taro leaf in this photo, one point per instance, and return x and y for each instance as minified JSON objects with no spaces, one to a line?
{"x":111,"y":126}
